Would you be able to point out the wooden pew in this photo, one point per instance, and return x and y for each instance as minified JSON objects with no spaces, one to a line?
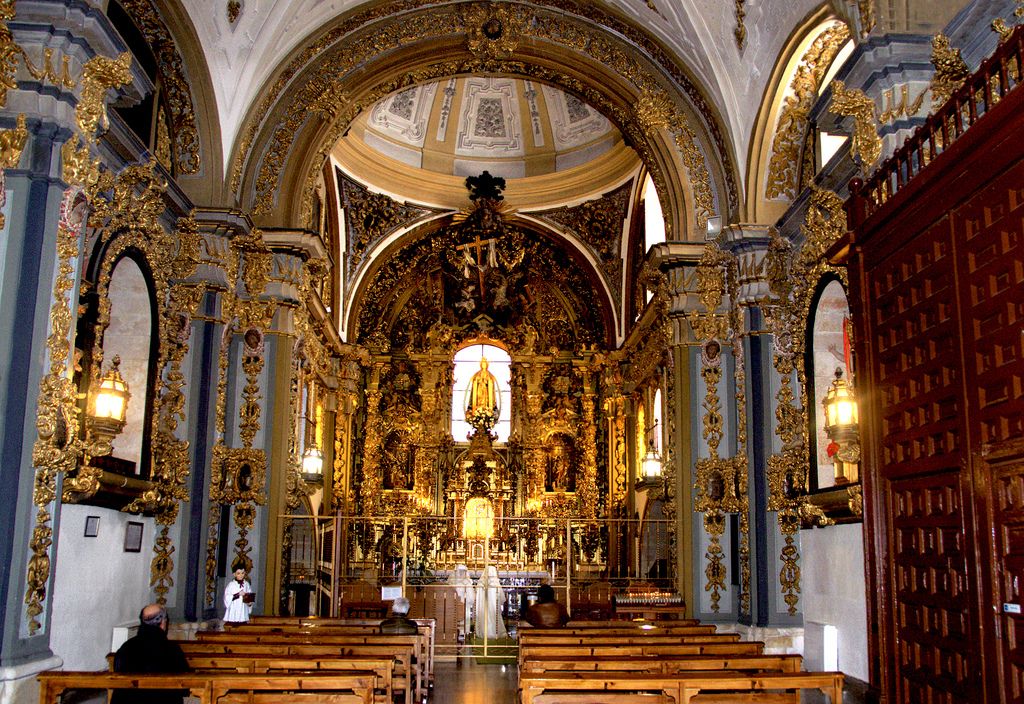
{"x":637,"y":639}
{"x":582,"y":687}
{"x":221,"y":687}
{"x":242,"y":636}
{"x":714,"y":647}
{"x":601,"y":633}
{"x":306,"y":626}
{"x":403,"y":670}
{"x":664,"y":663}
{"x":255,"y":663}
{"x":427,"y":625}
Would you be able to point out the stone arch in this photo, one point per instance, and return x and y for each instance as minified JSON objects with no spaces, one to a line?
{"x":367,"y":54}
{"x":169,"y":31}
{"x":780,"y":133}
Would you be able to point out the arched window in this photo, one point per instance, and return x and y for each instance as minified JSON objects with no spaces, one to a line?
{"x":467,"y":363}
{"x":830,"y":350}
{"x":654,"y":219}
{"x":130,"y":336}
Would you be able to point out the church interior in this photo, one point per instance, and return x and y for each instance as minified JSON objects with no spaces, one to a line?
{"x":707,"y":314}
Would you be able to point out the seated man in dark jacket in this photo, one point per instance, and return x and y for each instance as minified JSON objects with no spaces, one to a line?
{"x":150,"y":651}
{"x":547,"y":611}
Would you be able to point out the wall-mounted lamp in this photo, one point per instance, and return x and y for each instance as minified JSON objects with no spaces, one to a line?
{"x":313,"y":465}
{"x":108,"y":407}
{"x":842,"y":428}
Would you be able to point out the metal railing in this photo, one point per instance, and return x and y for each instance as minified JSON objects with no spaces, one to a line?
{"x":359,"y":563}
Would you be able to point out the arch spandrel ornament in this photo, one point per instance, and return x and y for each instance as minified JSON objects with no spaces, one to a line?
{"x":653,"y":101}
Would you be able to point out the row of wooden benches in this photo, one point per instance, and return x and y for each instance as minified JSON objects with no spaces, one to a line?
{"x":320,"y":662}
{"x":664,"y":661}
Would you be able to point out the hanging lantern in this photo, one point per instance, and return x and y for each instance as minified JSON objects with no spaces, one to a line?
{"x":108,"y":407}
{"x":841,"y":427}
{"x":650,"y":467}
{"x":840,"y":407}
{"x":312,"y":465}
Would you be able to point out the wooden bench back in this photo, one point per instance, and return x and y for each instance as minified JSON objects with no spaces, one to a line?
{"x":211,"y":687}
{"x":664,"y":663}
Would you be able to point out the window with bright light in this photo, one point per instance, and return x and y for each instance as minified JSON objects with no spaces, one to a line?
{"x":467,"y":363}
{"x":654,"y":219}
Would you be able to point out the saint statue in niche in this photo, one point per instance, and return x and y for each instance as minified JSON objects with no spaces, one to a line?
{"x":559,"y":473}
{"x":482,"y":400}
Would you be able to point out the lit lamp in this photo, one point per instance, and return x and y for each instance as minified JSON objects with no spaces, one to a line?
{"x":478,"y":521}
{"x":650,"y":467}
{"x":108,"y":407}
{"x":313,"y":465}
{"x":841,"y":427}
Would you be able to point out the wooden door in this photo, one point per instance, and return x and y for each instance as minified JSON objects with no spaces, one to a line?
{"x":1006,"y":482}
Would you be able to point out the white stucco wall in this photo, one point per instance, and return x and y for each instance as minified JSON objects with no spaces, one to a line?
{"x":97,"y":584}
{"x":833,"y":590}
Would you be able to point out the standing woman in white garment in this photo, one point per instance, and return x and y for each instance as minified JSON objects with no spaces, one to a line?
{"x":238,"y":598}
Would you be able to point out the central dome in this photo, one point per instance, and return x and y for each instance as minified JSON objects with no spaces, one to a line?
{"x":464,"y":125}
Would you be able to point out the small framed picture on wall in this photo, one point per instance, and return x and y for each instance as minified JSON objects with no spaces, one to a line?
{"x":133,"y":537}
{"x":92,"y":526}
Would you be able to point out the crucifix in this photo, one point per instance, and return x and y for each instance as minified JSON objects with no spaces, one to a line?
{"x":478,"y":257}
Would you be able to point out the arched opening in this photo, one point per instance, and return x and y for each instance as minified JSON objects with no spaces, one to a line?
{"x":467,"y":363}
{"x":829,"y":349}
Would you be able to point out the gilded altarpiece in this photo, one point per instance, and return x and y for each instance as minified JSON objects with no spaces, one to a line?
{"x":484,"y":276}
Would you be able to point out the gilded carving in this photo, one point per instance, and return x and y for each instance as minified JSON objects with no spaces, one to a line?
{"x":791,"y":131}
{"x":174,"y":81}
{"x":950,"y":70}
{"x":369,"y":218}
{"x":905,"y":108}
{"x":793,"y":277}
{"x":98,"y":76}
{"x":741,"y":28}
{"x":868,"y":19}
{"x":12,"y":142}
{"x":599,"y":223}
{"x":48,"y":74}
{"x":493,"y":31}
{"x":866,"y":144}
{"x":57,"y":446}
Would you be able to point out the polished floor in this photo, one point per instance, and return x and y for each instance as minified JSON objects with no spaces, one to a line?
{"x":468,"y":682}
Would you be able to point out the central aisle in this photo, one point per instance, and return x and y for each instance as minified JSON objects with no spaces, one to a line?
{"x":466,"y":682}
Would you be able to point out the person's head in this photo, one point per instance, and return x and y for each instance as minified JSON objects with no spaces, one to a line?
{"x":483,"y":362}
{"x":240,"y":574}
{"x":400,"y":606}
{"x":545,"y":594}
{"x":153,"y":615}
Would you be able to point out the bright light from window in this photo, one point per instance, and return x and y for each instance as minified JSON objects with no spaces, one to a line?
{"x":829,"y":145}
{"x":467,"y":363}
{"x":654,"y":219}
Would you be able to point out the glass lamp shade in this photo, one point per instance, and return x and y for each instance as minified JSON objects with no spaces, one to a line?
{"x":110,"y":398}
{"x":478,"y":522}
{"x":313,"y":463}
{"x":650,"y":467}
{"x":840,"y":406}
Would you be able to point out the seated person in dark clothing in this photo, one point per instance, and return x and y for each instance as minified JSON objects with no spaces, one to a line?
{"x":150,"y":651}
{"x":399,"y":622}
{"x":547,"y":611}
